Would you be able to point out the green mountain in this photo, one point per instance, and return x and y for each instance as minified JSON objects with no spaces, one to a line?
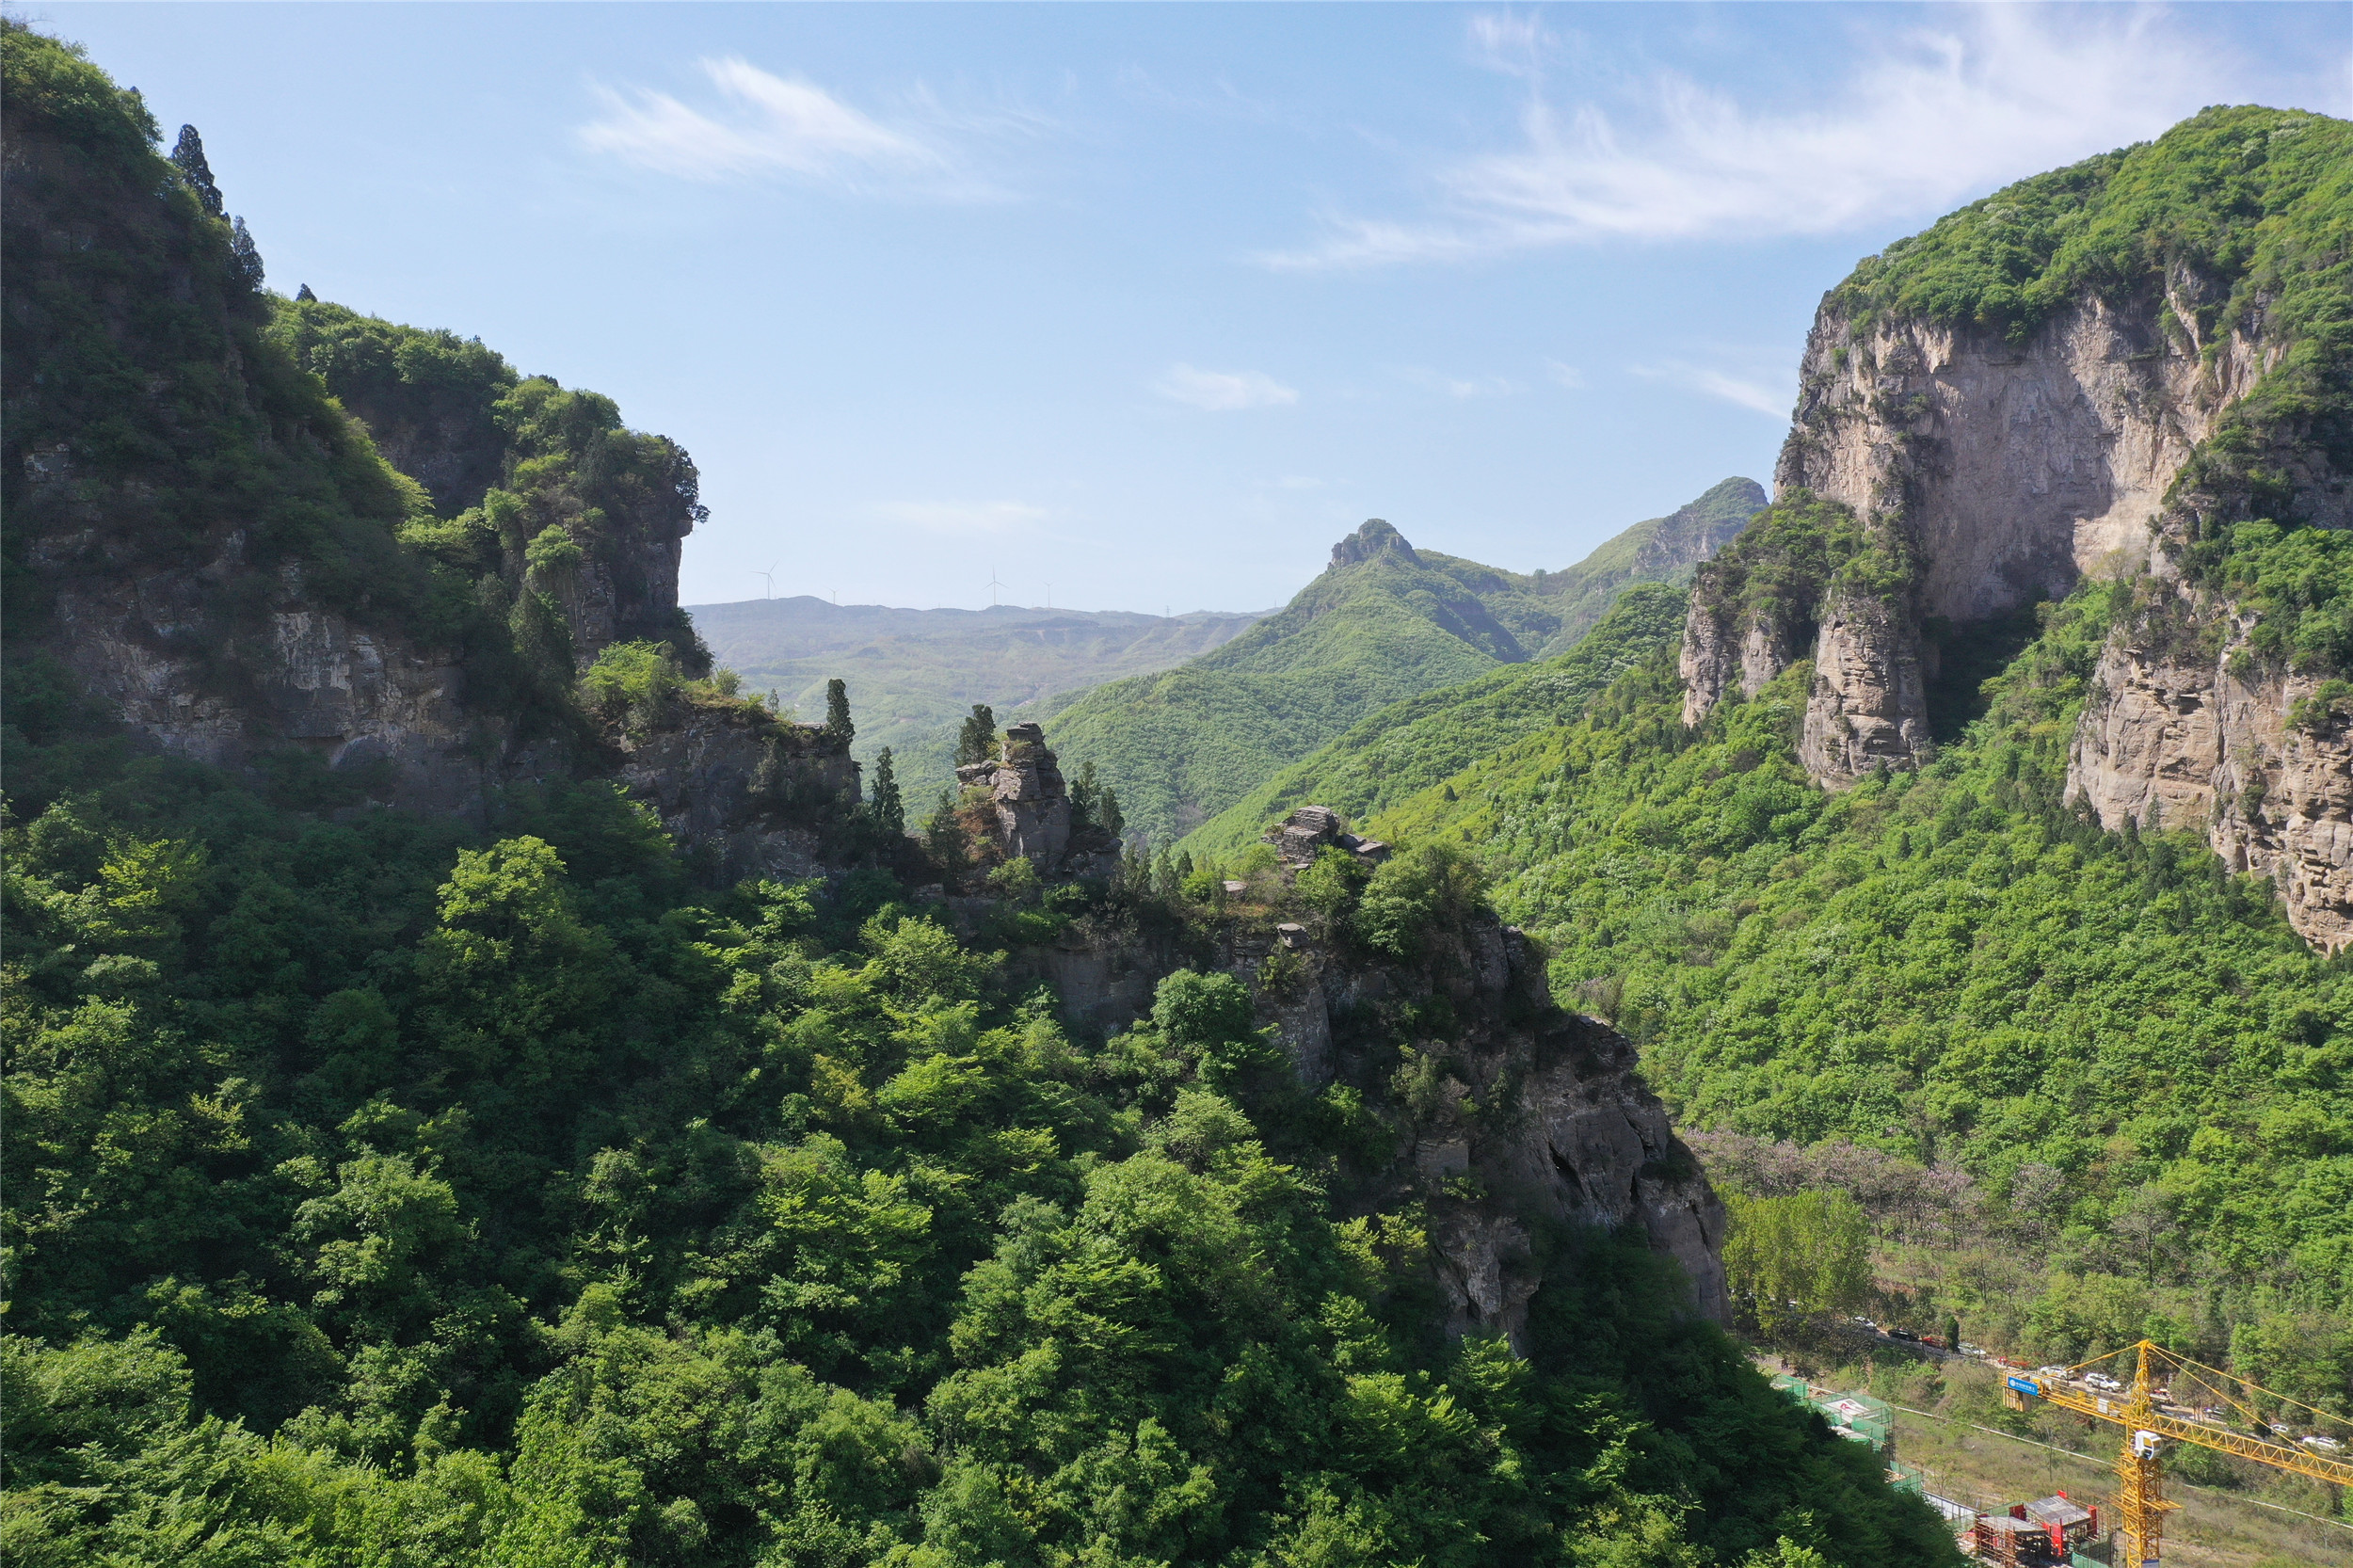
{"x":1385,"y":622}
{"x":1419,"y":743}
{"x":2001,"y":976}
{"x":914,"y":674}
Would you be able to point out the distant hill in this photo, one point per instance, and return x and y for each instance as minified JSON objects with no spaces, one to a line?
{"x":1662,"y":550}
{"x":1385,"y":622}
{"x":913,"y":674}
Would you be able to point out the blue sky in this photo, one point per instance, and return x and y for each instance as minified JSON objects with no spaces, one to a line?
{"x":1150,"y":303}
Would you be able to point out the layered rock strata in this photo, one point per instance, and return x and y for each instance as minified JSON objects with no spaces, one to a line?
{"x":1312,"y":829}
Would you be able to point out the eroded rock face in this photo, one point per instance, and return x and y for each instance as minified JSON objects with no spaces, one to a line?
{"x":152,"y":643}
{"x":2171,"y":741}
{"x":1032,"y":807}
{"x":2002,"y":472}
{"x":1542,"y":1116}
{"x":753,"y":796}
{"x":2017,"y":470}
{"x":1868,"y":703}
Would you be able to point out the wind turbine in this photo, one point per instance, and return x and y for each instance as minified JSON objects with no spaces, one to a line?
{"x":993,"y":586}
{"x":769,"y":577}
{"x":1049,"y":595}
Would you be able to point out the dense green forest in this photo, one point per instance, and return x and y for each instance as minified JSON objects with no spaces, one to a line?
{"x":391,"y":1188}
{"x":1384,"y":623}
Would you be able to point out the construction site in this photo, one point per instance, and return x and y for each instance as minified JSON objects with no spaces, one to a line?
{"x":2152,"y":1404}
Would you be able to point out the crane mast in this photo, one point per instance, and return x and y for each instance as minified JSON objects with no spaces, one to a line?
{"x":2141,"y":1408}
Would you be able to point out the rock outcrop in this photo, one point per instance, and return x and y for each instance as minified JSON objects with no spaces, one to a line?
{"x":2168,"y":740}
{"x":1535,"y":1116}
{"x":149,"y":639}
{"x":1999,"y":473}
{"x":1312,"y":829}
{"x":747,"y":795}
{"x":1031,"y":804}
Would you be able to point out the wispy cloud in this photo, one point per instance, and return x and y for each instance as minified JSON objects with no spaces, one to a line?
{"x":759,"y":124}
{"x":1927,"y":117}
{"x":1563,"y":376}
{"x":1458,"y":387}
{"x":1774,"y":400}
{"x":1220,"y":391}
{"x":963,"y":517}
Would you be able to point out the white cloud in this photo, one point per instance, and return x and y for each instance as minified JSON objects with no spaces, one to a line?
{"x":1767,"y":398}
{"x":1563,"y":376}
{"x":763,"y":125}
{"x":1458,"y":387}
{"x":963,"y":517}
{"x":1220,"y":391}
{"x":1928,"y":119}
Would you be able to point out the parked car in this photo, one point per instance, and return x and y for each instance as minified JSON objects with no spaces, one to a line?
{"x":1905,"y":1334}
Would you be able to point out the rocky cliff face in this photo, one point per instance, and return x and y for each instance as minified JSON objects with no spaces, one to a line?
{"x":1526,"y":1115}
{"x":2001,"y":473}
{"x":1982,"y":474}
{"x":752,"y":796}
{"x":1030,"y":814}
{"x":2169,"y":740}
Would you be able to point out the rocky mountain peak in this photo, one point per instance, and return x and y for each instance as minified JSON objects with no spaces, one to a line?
{"x":1376,"y":537}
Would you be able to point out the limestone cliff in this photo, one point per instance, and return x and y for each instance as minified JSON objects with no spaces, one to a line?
{"x":2261,"y":763}
{"x":1988,"y":416}
{"x":1028,"y":812}
{"x":751,"y":796}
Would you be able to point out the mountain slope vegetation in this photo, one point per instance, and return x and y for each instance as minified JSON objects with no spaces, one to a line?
{"x":1386,"y":622}
{"x":2124,"y":1047}
{"x":1419,"y":743}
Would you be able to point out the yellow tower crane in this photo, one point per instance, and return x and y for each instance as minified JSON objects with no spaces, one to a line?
{"x":2173,"y":1399}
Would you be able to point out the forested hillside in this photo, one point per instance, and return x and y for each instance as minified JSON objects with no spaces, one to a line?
{"x":489,"y":1184}
{"x":1386,"y":622}
{"x":2124,"y":1047}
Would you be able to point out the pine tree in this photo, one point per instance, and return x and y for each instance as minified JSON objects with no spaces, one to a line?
{"x":943,"y":836}
{"x":244,"y":257}
{"x":188,"y":155}
{"x":888,"y":812}
{"x":1107,"y":813}
{"x":977,"y":742}
{"x":304,"y":295}
{"x":837,"y":723}
{"x":1085,"y":798}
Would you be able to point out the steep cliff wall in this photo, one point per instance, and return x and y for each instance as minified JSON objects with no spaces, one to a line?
{"x":201,"y":533}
